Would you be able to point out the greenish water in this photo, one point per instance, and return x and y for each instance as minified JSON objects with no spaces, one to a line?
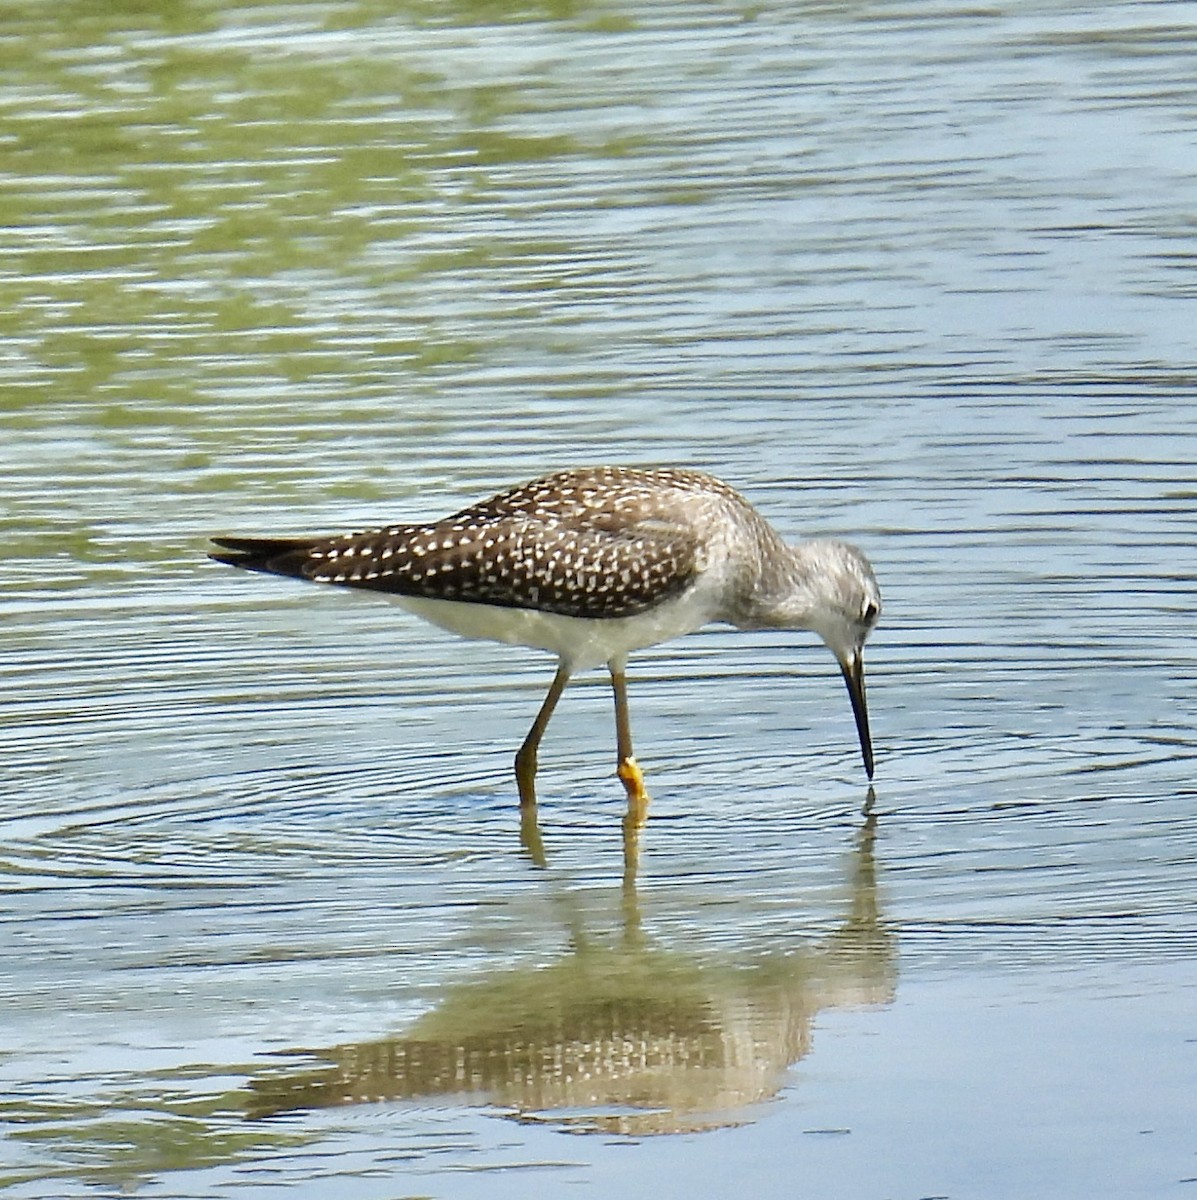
{"x":920,"y":276}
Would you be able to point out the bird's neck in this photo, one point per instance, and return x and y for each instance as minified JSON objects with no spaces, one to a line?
{"x":775,"y":591}
{"x":782,"y":594}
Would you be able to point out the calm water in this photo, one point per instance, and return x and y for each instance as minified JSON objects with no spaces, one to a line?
{"x":918,"y":275}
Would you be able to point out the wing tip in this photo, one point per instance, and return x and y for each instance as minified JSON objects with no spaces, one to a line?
{"x":260,"y":554}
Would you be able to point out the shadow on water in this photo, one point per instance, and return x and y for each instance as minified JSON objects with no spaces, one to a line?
{"x":628,"y":1038}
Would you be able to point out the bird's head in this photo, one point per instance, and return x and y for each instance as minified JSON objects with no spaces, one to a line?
{"x":842,"y":599}
{"x":837,"y":596}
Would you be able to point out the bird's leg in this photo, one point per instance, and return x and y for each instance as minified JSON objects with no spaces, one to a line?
{"x":525,"y":759}
{"x":530,"y":838}
{"x":627,"y":769}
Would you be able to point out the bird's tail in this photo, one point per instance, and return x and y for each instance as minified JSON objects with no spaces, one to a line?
{"x":273,"y":556}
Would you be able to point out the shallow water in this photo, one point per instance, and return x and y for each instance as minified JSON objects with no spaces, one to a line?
{"x":920,"y":277}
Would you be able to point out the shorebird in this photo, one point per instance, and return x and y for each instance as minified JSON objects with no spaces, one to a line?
{"x":592,"y":564}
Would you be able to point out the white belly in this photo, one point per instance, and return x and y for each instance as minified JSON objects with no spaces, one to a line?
{"x":579,"y":642}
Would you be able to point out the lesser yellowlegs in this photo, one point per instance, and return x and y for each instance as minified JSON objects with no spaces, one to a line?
{"x":592,"y":564}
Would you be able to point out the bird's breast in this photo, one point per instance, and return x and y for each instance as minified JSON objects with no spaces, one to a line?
{"x":580,"y":642}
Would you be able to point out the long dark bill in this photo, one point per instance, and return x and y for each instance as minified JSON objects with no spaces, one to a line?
{"x":853,"y":673}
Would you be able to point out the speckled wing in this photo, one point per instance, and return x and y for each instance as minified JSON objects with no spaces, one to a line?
{"x":591,"y":564}
{"x":594,"y":542}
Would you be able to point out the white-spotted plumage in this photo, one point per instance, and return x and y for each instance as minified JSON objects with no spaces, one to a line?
{"x":592,"y":564}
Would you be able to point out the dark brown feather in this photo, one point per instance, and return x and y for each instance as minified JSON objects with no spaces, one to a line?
{"x":597,"y":543}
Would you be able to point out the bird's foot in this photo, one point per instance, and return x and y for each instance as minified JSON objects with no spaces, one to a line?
{"x":632,"y":778}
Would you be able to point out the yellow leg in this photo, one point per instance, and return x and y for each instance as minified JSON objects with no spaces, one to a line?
{"x":525,"y":760}
{"x":628,"y":769}
{"x":530,"y":838}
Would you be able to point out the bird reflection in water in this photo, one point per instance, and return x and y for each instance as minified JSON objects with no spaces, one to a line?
{"x":629,"y":1039}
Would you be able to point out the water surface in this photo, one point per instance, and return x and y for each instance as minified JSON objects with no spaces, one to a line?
{"x":917,"y":276}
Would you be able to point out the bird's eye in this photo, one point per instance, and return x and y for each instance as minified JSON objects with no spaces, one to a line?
{"x":869,"y":613}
